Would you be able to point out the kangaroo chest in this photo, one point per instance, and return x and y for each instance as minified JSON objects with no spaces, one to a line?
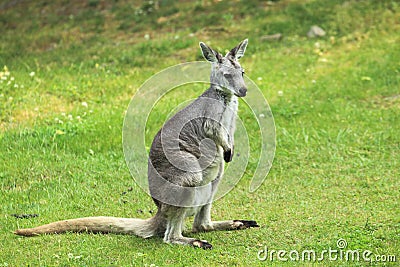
{"x":229,"y":114}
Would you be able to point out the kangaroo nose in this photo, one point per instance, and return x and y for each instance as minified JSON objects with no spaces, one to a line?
{"x":242,"y":91}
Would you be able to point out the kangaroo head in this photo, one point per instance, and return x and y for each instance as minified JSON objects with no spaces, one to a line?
{"x":226,"y":72}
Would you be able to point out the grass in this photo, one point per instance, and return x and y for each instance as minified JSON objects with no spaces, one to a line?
{"x":335,"y":102}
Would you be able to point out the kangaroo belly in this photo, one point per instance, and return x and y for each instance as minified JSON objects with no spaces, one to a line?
{"x":215,"y":169}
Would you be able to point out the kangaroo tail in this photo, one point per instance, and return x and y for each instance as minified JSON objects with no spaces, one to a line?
{"x":129,"y":226}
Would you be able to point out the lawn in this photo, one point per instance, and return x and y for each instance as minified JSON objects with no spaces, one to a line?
{"x":70,"y":68}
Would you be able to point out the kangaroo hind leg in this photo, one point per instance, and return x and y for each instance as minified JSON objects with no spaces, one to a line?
{"x":173,"y":233}
{"x":203,"y":222}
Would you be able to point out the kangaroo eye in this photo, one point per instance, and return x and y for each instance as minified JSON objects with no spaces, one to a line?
{"x":242,"y":72}
{"x":228,"y":75}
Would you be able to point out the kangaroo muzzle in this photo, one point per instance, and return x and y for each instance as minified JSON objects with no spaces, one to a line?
{"x":242,"y":92}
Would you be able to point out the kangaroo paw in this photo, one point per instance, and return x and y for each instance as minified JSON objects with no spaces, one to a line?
{"x":244,"y":224}
{"x":201,"y":244}
{"x":228,"y":155}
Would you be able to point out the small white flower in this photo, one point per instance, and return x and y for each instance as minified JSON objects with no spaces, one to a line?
{"x":85,"y":104}
{"x":32,"y":74}
{"x":314,"y":81}
{"x":12,"y":79}
{"x":70,"y":117}
{"x":259,"y":78}
{"x":16,"y":85}
{"x":147,"y":36}
{"x":280,"y":93}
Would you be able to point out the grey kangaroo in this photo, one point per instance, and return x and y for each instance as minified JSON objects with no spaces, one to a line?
{"x":185,"y":164}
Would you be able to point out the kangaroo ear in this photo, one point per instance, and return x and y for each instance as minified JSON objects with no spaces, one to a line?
{"x":209,"y":54}
{"x":239,"y":50}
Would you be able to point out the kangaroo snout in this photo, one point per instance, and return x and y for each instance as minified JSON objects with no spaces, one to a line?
{"x":242,"y":92}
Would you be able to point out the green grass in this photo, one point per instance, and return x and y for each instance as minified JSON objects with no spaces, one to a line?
{"x":75,"y":66}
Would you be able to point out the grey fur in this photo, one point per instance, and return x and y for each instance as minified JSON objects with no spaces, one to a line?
{"x":186,"y":162}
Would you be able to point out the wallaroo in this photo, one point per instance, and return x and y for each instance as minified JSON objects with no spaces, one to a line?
{"x":186,"y":163}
